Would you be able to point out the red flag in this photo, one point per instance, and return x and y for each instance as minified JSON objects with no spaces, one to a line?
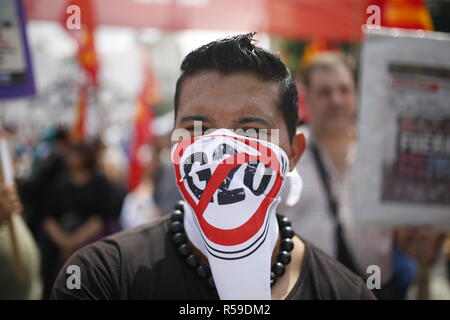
{"x":142,"y":129}
{"x":79,"y":127}
{"x":87,"y":56}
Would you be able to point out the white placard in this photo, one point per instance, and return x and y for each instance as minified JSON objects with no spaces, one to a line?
{"x":402,"y":170}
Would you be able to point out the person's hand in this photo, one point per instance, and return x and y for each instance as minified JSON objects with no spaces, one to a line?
{"x":421,"y":243}
{"x":67,"y":248}
{"x":9,"y":202}
{"x":62,"y":240}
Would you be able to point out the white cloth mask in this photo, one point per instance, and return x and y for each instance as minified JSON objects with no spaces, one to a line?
{"x":231,"y":185}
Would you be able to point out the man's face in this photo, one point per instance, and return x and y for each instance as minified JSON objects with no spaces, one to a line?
{"x":331,"y":99}
{"x":237,"y":101}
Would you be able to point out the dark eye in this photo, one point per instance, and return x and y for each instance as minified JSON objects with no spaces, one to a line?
{"x":199,"y":133}
{"x":345,"y":89}
{"x":324,"y":92}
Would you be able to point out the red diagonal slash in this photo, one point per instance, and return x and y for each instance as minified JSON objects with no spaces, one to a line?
{"x":230,"y":237}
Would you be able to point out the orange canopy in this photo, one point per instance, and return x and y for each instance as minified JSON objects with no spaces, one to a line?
{"x":295,"y":19}
{"x":338,"y":20}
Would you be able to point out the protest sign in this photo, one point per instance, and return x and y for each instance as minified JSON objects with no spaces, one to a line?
{"x":402,"y":170}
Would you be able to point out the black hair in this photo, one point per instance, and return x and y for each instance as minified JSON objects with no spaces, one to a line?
{"x":239,"y":53}
{"x":328,"y":60}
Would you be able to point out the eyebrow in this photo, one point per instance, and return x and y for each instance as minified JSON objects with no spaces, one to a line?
{"x":194,"y":118}
{"x":254,"y":119}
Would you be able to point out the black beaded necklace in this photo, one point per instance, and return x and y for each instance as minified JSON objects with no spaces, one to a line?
{"x":204,"y":272}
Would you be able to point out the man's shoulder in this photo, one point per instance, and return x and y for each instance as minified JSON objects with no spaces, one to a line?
{"x":332,"y":280}
{"x":142,"y":237}
{"x":150,"y":233}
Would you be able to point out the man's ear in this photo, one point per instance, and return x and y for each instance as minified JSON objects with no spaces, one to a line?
{"x":298,"y":146}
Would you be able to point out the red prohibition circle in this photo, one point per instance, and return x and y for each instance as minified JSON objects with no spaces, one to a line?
{"x":241,"y":234}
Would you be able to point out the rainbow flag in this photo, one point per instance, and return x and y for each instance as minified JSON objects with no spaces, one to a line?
{"x":406,"y":14}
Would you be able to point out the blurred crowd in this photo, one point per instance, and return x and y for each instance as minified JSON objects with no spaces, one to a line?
{"x":70,"y":194}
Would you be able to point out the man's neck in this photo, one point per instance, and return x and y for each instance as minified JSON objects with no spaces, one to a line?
{"x":336,"y":146}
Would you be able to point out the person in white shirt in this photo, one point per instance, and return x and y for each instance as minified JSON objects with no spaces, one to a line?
{"x":139,"y":205}
{"x":323,"y":214}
